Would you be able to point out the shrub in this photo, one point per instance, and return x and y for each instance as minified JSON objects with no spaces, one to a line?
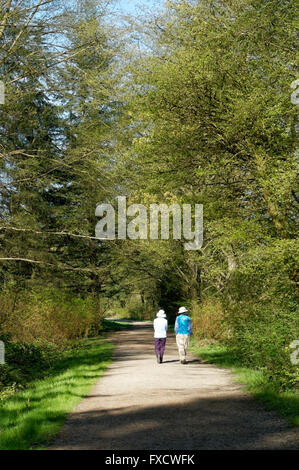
{"x":208,"y":320}
{"x":36,"y":326}
{"x":24,"y":362}
{"x":51,"y":316}
{"x":261,"y":309}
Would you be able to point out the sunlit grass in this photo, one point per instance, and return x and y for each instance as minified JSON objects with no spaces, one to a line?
{"x":255,"y":381}
{"x":31,"y":417}
{"x":115,"y":325}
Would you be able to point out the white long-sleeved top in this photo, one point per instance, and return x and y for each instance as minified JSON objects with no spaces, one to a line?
{"x":160,"y":327}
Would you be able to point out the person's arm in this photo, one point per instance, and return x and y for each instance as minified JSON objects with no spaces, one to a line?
{"x":166,"y":326}
{"x":176,"y":326}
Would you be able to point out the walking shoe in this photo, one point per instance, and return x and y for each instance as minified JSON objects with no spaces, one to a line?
{"x":158,"y":359}
{"x":161,"y":359}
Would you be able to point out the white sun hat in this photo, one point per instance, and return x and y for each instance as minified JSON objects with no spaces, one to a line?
{"x":182,"y":310}
{"x":161,"y":314}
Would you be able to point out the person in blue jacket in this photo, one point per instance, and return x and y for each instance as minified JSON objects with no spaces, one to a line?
{"x":183,"y":330}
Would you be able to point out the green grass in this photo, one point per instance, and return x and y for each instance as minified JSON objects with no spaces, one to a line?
{"x":255,"y":381}
{"x":31,"y":417}
{"x":115,"y":325}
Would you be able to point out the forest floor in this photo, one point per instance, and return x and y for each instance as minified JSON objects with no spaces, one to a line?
{"x":139,"y":404}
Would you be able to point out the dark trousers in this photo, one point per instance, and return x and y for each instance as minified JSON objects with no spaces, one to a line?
{"x":160,"y":346}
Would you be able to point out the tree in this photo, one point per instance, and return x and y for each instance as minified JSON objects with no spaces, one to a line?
{"x":57,"y":139}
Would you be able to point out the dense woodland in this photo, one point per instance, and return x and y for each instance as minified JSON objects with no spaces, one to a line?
{"x":187,"y":104}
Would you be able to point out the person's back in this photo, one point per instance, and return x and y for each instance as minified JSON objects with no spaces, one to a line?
{"x":160,"y":327}
{"x":183,"y":330}
{"x":183,"y":325}
{"x":160,"y":333}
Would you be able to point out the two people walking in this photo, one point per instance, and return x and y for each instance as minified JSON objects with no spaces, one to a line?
{"x":182,"y":328}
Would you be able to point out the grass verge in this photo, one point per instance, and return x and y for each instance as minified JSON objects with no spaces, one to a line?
{"x":255,"y":381}
{"x":115,"y":325}
{"x":34,"y":415}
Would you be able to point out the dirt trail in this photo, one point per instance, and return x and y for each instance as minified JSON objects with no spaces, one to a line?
{"x":139,"y":404}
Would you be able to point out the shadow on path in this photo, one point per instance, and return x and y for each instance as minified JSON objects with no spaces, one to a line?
{"x":140,"y":404}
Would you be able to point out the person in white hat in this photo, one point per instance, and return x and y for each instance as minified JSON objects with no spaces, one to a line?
{"x":183,"y":330}
{"x":160,"y":334}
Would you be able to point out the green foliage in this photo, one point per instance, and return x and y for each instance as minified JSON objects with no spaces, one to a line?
{"x":110,"y":325}
{"x":24,"y":362}
{"x":208,"y":320}
{"x":57,"y":128}
{"x":262,"y":310}
{"x":34,"y":415}
{"x":202,"y":114}
{"x":50,"y":316}
{"x":256,"y":381}
{"x":214,"y":124}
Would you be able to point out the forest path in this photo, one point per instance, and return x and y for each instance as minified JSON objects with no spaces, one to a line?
{"x":139,"y":404}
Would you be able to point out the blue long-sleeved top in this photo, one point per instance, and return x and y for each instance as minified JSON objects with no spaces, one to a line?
{"x":183,"y":325}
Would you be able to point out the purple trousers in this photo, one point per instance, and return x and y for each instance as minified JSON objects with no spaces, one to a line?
{"x":160,"y":346}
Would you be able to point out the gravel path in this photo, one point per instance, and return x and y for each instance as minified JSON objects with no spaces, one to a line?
{"x":139,"y":404}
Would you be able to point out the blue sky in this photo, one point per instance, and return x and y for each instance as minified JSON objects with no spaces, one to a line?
{"x":131,"y":6}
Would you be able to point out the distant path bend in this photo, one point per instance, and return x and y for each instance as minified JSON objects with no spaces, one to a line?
{"x":139,"y":404}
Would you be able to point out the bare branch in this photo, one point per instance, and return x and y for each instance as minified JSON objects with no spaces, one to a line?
{"x":16,"y":229}
{"x":56,"y":266}
{"x":5,"y":18}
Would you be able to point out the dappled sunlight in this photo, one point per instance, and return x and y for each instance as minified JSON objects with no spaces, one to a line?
{"x":38,"y":411}
{"x":139,"y":404}
{"x":209,"y":423}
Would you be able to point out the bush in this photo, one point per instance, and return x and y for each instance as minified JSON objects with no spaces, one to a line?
{"x":262,"y":311}
{"x":36,"y":326}
{"x":24,"y":362}
{"x":208,"y":321}
{"x":51,"y":316}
